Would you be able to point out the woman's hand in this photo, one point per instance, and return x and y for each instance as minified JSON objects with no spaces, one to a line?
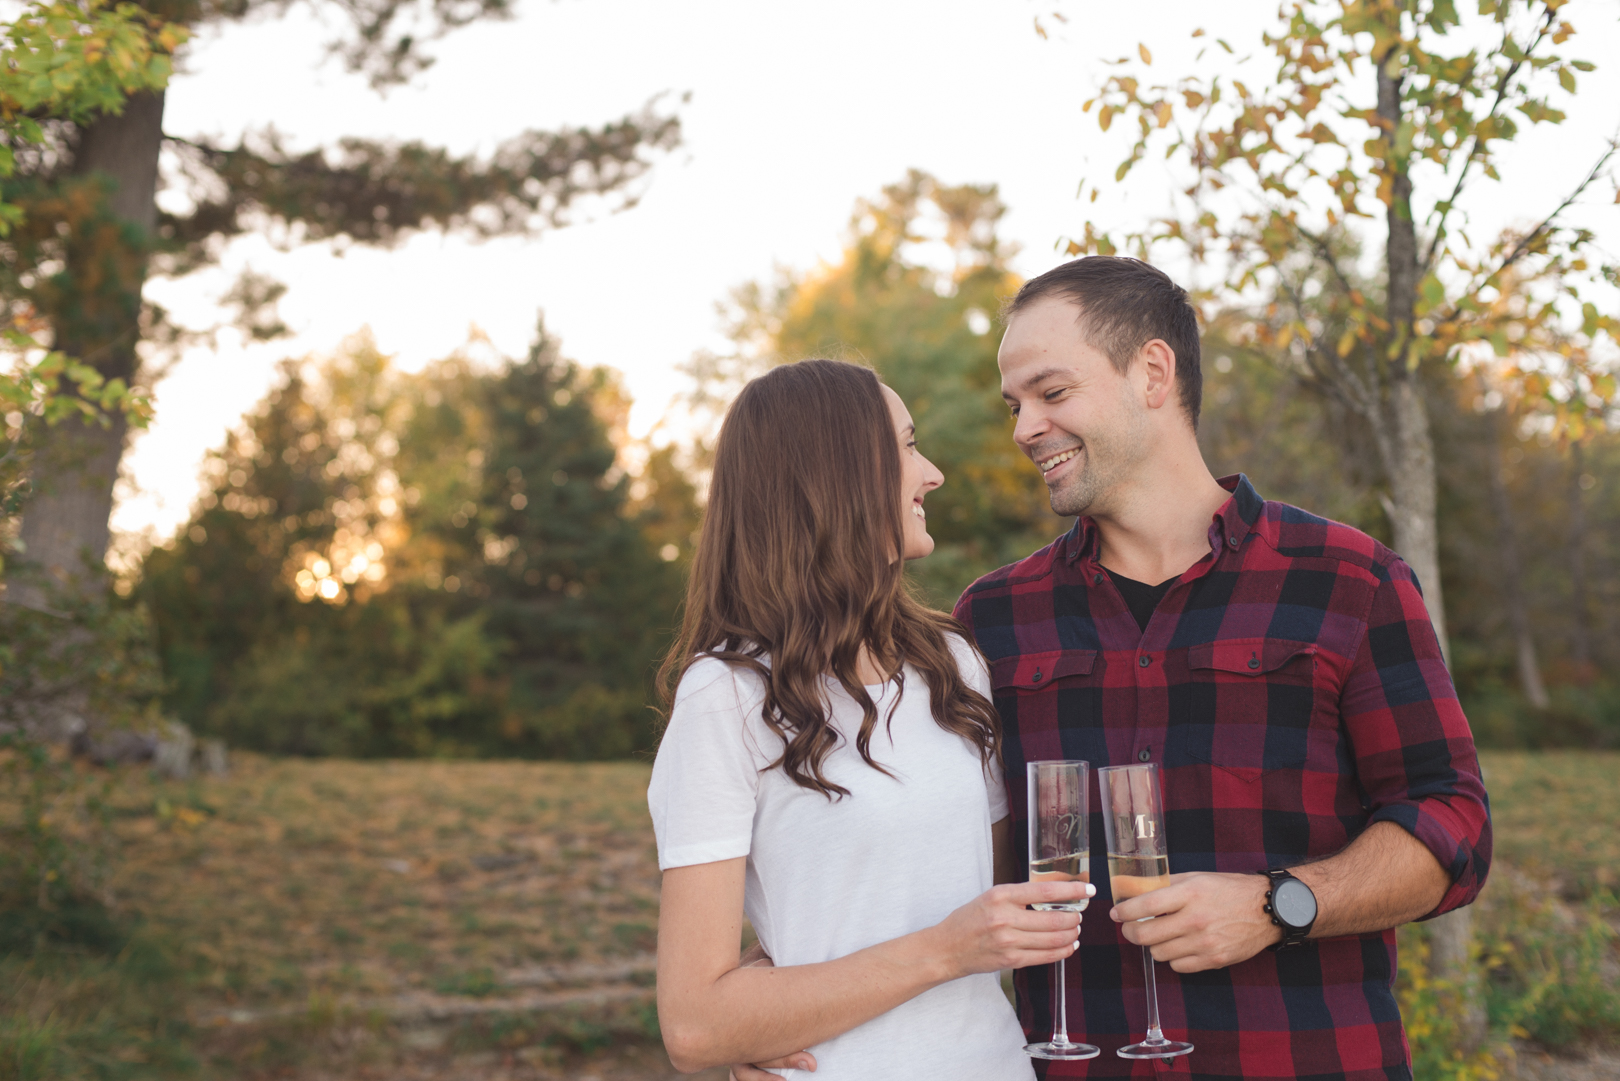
{"x":997,"y":930}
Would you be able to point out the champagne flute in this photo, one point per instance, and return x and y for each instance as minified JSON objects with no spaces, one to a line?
{"x":1138,"y":863}
{"x":1059,"y":851}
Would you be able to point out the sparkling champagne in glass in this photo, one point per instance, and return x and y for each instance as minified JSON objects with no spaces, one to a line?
{"x":1059,"y":851}
{"x":1138,"y":863}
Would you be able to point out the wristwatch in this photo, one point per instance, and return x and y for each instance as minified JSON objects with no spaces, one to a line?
{"x":1291,"y":905}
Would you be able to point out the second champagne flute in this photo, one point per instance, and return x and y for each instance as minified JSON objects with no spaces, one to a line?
{"x":1138,"y":863}
{"x":1059,"y":851}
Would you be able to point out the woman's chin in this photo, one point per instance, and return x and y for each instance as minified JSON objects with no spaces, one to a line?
{"x":918,"y":547}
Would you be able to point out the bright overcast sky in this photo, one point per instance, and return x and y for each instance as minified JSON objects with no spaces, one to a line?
{"x":796,"y":111}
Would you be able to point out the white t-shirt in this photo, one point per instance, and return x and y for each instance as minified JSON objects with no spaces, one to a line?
{"x":828,"y":878}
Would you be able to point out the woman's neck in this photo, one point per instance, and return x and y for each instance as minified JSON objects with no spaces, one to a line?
{"x":867,"y":669}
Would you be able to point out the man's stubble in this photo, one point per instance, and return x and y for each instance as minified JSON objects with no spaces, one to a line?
{"x":1112,"y":454}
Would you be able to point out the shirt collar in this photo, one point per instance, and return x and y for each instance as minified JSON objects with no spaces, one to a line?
{"x":1230,"y":526}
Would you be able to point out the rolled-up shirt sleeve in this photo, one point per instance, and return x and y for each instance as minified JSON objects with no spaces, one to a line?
{"x":1415,"y":756}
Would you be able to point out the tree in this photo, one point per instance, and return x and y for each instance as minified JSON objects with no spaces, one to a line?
{"x":62,"y":63}
{"x":1379,"y":113}
{"x":442,"y":564}
{"x":91,"y":231}
{"x":915,"y":295}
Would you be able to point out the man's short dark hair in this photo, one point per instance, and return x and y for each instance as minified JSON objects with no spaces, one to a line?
{"x":1124,"y":304}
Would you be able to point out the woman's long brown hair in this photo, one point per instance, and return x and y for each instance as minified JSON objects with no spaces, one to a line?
{"x":798,"y":560}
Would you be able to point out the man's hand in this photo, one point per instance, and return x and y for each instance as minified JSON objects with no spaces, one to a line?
{"x":1201,"y":921}
{"x":756,"y":957}
{"x":804,"y":1060}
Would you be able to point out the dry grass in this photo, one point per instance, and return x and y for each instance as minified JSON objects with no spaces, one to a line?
{"x":447,"y":920}
{"x":393,"y":919}
{"x":295,"y":878}
{"x":1557,"y":814}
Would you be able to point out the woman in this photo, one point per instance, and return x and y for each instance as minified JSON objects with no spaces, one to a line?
{"x":830,"y":767}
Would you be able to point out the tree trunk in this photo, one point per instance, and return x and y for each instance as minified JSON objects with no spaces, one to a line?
{"x":1408,"y":449}
{"x":1580,"y":638}
{"x":1409,"y":465}
{"x":76,"y":465}
{"x":1507,"y":547}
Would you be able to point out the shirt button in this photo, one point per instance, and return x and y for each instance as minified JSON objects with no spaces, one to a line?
{"x":1232,"y":540}
{"x":1145,"y":660}
{"x":1144,"y":755}
{"x":1096,"y":579}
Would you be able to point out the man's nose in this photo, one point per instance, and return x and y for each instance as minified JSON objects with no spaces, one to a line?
{"x":1031,"y":425}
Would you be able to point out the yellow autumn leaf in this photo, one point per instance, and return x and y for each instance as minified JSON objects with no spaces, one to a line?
{"x":1147,"y":57}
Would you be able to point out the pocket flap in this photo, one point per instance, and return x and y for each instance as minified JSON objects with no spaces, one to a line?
{"x":1032,"y":671}
{"x":1247,"y":656}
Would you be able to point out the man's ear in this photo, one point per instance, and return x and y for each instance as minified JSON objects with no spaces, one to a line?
{"x":1158,"y":362}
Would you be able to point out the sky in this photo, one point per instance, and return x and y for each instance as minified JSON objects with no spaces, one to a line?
{"x":792,"y":112}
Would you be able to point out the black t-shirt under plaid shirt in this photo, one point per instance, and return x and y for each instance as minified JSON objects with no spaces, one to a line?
{"x":1291,"y":687}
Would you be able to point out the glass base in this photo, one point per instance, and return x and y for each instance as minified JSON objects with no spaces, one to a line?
{"x":1070,"y":1051}
{"x":1162,"y":1049}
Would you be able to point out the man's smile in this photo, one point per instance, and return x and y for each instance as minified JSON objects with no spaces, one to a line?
{"x":1048,"y":464}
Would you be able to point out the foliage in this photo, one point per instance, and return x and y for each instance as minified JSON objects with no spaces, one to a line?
{"x":1547,"y":951}
{"x":915,"y":295}
{"x":73,"y":60}
{"x":434,"y":564}
{"x":1313,"y":160}
{"x":378,"y":192}
{"x":1433,"y":1021}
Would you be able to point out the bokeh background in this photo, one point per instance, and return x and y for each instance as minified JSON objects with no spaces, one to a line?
{"x":331,"y":760}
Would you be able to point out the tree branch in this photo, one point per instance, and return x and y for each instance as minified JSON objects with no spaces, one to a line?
{"x":378,"y":192}
{"x":1501,"y":95}
{"x":1522,"y":248}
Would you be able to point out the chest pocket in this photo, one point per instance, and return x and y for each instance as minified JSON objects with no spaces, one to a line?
{"x":1046,"y":692}
{"x":1249,"y":704}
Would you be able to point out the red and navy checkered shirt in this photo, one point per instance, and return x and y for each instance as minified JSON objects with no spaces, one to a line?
{"x":1292,"y":689}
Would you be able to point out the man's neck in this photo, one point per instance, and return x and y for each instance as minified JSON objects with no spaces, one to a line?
{"x":1159,"y":526}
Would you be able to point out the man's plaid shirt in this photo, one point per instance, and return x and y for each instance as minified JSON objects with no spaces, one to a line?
{"x":1292,"y":689}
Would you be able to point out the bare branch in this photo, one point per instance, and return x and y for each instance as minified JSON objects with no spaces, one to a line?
{"x":1522,"y":248}
{"x":1501,"y":95}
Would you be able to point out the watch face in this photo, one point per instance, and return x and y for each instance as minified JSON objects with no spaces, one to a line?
{"x":1294,"y":903}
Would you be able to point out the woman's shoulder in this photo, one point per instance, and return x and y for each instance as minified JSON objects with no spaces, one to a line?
{"x":969,"y":661}
{"x":713,"y":683}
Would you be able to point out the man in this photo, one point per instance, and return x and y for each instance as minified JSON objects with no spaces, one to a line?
{"x":1280,"y":668}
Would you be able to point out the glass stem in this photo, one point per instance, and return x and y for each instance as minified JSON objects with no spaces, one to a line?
{"x":1060,"y":1024}
{"x":1154,"y":1034}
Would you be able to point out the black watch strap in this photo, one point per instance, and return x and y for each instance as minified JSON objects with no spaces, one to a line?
{"x":1293,"y":934}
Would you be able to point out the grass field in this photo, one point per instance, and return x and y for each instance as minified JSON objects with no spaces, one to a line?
{"x":326,"y":919}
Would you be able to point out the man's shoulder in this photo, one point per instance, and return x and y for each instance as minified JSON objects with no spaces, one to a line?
{"x":1032,"y":568}
{"x":1296,"y":534}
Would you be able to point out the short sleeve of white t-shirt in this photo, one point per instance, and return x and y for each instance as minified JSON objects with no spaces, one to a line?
{"x":709,"y":750}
